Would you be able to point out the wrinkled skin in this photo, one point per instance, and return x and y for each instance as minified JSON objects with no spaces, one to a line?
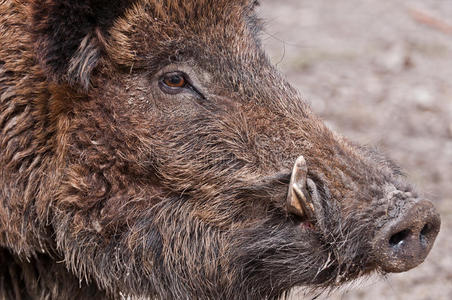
{"x":141,"y":192}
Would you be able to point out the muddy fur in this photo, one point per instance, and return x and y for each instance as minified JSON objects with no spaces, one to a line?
{"x":110,"y":188}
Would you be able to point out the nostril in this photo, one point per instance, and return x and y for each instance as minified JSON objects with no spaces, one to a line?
{"x":398,"y":238}
{"x":425,"y":232}
{"x":426,"y":229}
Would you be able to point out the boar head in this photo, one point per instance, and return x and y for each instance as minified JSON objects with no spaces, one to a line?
{"x":188,"y":167}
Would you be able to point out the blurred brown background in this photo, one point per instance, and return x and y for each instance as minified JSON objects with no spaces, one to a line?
{"x":379,"y":72}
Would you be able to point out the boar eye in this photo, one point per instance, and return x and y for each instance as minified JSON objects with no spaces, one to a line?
{"x":173,"y":83}
{"x":178,"y":82}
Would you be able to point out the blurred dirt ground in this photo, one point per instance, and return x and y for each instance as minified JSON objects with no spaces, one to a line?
{"x":379,"y":72}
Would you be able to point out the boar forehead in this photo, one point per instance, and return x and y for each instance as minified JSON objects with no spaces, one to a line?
{"x":154,"y":33}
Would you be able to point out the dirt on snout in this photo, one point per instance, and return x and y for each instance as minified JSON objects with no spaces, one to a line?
{"x":379,"y":72}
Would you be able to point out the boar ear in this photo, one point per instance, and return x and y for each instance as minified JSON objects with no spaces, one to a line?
{"x":68,"y":36}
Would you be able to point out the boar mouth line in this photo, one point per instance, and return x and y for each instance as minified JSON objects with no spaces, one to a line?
{"x":301,"y":192}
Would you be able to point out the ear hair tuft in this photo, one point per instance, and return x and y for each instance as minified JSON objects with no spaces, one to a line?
{"x":84,"y":61}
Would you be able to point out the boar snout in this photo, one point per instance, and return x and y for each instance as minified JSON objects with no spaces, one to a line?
{"x":405,"y":242}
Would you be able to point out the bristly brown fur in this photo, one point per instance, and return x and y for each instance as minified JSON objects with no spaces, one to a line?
{"x":110,"y":187}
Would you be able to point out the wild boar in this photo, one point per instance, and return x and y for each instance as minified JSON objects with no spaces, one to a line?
{"x":149,"y":149}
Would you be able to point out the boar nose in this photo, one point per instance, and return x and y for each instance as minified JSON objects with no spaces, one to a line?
{"x":405,"y":243}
